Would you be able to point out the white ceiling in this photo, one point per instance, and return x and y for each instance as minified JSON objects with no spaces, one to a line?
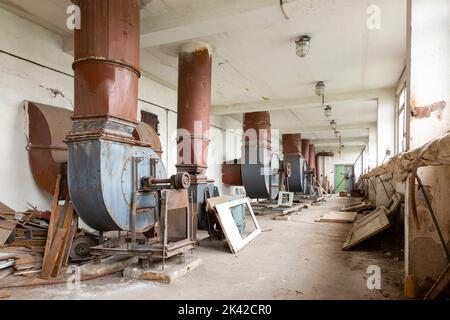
{"x":254,"y":53}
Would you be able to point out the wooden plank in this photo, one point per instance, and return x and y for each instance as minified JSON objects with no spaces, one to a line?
{"x":6,"y":272}
{"x":7,"y":256}
{"x":28,"y":243}
{"x":68,"y":226}
{"x":26,"y":273}
{"x":51,"y":257}
{"x":28,"y":261}
{"x":5,"y":209}
{"x":6,"y":264}
{"x":338,"y":217}
{"x":6,"y":229}
{"x":71,"y":236}
{"x":53,"y":215}
{"x":367,"y":227}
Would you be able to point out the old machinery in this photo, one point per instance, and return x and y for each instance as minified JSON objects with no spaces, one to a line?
{"x":116,"y":182}
{"x":259,"y":170}
{"x":194,"y":110}
{"x":292,"y":151}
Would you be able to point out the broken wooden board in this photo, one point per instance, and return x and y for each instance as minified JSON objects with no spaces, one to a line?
{"x":7,"y":256}
{"x":6,"y":272}
{"x":7,"y":263}
{"x":6,"y":229}
{"x":262,"y":210}
{"x":338,"y":217}
{"x":172,"y":271}
{"x":107,"y":266}
{"x":359,"y":206}
{"x":367,"y":227}
{"x":88,"y":272}
{"x":28,"y":261}
{"x":4,"y":209}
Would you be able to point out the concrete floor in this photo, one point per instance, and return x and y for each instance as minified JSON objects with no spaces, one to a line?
{"x":297,"y":259}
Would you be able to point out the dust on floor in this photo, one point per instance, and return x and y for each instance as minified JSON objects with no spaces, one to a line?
{"x":296,"y":259}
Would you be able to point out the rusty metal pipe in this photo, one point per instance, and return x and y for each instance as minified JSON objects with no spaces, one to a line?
{"x":107,"y":66}
{"x":292,"y":144}
{"x":231,"y":174}
{"x":194,"y":107}
{"x":257,"y":127}
{"x":305,"y":149}
{"x":312,"y":158}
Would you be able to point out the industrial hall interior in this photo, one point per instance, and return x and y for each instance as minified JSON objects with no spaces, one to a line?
{"x":224,"y":150}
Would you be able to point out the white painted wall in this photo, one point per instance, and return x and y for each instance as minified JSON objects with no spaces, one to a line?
{"x":386,"y":124}
{"x":428,"y":81}
{"x":21,"y":80}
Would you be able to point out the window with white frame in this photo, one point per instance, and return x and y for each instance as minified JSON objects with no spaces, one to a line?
{"x":401,"y":121}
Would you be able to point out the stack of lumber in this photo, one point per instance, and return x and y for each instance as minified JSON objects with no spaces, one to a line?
{"x":19,"y":261}
{"x":23,"y":229}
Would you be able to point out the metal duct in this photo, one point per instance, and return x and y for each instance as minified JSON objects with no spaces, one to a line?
{"x":260,"y":169}
{"x":292,"y":151}
{"x":292,"y":144}
{"x":312,"y":158}
{"x":194,"y":108}
{"x":104,"y":160}
{"x":231,"y":173}
{"x":47,"y":129}
{"x":305,"y":149}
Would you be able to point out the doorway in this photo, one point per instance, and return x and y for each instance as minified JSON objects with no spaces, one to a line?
{"x":344,"y":178}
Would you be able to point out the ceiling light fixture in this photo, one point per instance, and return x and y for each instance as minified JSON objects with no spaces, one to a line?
{"x":320,"y":88}
{"x":333,"y":125}
{"x":303,"y":44}
{"x":328,"y":111}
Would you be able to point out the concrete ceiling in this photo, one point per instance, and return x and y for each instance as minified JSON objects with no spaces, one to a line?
{"x":255,"y":65}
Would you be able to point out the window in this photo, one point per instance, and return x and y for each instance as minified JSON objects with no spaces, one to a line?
{"x":150,"y":119}
{"x":401,"y":121}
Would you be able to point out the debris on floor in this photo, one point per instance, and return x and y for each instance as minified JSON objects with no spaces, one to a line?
{"x":338,"y":217}
{"x":372,"y":223}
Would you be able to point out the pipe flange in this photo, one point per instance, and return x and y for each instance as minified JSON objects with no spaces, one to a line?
{"x":94,"y":59}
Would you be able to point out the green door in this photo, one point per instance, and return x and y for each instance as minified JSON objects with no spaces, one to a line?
{"x":339,"y":178}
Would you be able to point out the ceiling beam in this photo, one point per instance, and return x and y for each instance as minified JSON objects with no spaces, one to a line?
{"x":43,"y":12}
{"x":341,"y":128}
{"x":298,"y":103}
{"x":349,"y":141}
{"x":208,"y":17}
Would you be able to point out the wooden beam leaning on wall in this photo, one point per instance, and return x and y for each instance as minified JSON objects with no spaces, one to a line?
{"x":62,"y":227}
